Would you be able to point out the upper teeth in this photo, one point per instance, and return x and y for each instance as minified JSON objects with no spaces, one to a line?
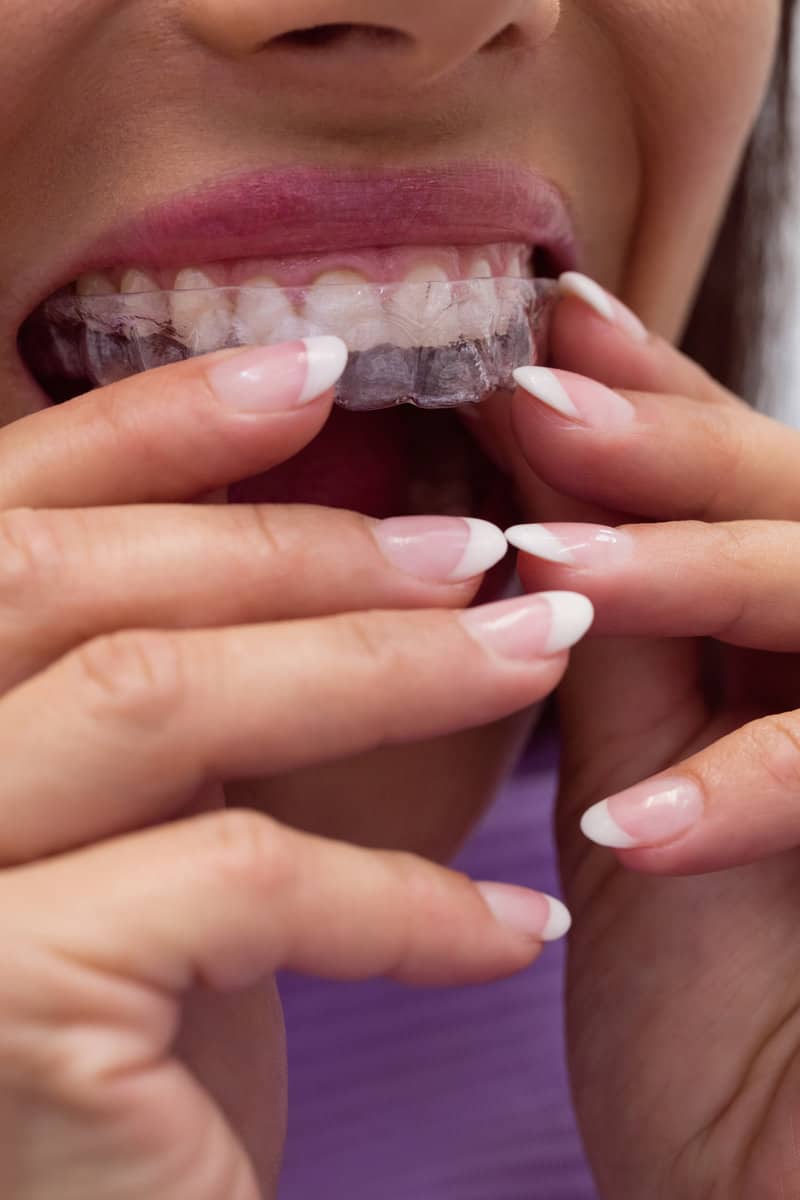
{"x":207,"y":316}
{"x":202,"y":325}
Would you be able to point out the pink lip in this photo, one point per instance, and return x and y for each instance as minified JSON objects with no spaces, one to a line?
{"x":302,"y":211}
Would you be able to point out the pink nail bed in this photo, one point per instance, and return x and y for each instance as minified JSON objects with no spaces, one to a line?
{"x":531,"y":627}
{"x":650,"y":814}
{"x":594,"y":547}
{"x":278,"y":378}
{"x":606,"y":306}
{"x":441,"y":549}
{"x":577,"y":398}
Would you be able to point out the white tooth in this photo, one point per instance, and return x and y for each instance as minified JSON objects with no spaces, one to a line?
{"x":95,"y":284}
{"x":423,"y":316}
{"x":344,"y":303}
{"x":150,"y":307}
{"x":264,"y":314}
{"x":513,"y":298}
{"x":477,"y":309}
{"x":202,"y":316}
{"x":427,"y":273}
{"x":134,"y":282}
{"x":481,"y":269}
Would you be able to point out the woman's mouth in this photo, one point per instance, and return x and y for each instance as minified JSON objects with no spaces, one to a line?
{"x":432,"y":322}
{"x":432,"y":326}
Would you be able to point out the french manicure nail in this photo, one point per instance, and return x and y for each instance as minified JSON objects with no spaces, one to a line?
{"x":441,"y":549}
{"x":576,"y":397}
{"x":279,"y":378}
{"x":650,"y":814}
{"x":589,"y":546}
{"x":533,"y":914}
{"x":612,"y":310}
{"x":531,"y":627}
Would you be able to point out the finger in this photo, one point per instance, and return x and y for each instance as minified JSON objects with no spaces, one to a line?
{"x":67,"y":575}
{"x":737,"y":582}
{"x":595,"y":334}
{"x":229,"y":898}
{"x":731,"y":804}
{"x":172,"y":433}
{"x":136,"y":722}
{"x":664,"y":457}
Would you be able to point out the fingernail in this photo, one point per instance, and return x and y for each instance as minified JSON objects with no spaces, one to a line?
{"x":533,"y":626}
{"x":576,"y":397}
{"x":649,"y":814}
{"x":279,"y":378}
{"x":612,"y":310}
{"x":441,"y":549}
{"x":533,"y":914}
{"x":590,"y":546}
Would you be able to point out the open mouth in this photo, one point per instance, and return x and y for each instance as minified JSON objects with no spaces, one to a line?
{"x":439,"y":281}
{"x":433,"y":327}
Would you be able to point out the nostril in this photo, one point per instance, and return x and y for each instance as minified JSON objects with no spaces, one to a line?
{"x":325,"y":36}
{"x":510,"y":38}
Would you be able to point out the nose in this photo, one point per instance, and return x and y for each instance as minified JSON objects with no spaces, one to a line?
{"x":389,"y":42}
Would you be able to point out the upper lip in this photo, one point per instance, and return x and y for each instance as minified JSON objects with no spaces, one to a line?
{"x":300,"y":210}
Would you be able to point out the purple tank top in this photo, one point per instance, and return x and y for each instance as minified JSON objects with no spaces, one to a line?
{"x":399,"y":1094}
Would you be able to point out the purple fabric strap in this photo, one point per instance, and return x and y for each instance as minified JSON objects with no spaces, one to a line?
{"x":442,"y":1095}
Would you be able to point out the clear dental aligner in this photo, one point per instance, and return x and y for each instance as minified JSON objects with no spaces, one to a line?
{"x":432,"y":344}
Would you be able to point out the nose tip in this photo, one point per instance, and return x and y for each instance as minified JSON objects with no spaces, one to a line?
{"x":392,"y":41}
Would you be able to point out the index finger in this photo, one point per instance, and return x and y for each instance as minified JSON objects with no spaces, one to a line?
{"x":173,"y":433}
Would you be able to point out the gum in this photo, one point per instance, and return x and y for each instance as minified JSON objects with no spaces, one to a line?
{"x":433,"y":345}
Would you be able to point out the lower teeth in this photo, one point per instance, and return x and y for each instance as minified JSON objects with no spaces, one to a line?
{"x":434,"y":345}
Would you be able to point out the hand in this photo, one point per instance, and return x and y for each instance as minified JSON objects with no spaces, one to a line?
{"x":684,"y":993}
{"x":145,"y":659}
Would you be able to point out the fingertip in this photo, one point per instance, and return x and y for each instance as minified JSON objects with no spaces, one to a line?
{"x":559,"y":922}
{"x":598,"y":825}
{"x":604,"y":305}
{"x":535,"y":915}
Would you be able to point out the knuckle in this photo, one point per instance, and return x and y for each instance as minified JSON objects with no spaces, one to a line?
{"x":31,"y":553}
{"x":775,"y":744}
{"x":731,"y":542}
{"x":136,"y":675}
{"x":65,"y":1027}
{"x":248,"y":851}
{"x":372,"y":640}
{"x":421,"y":882}
{"x":724,"y":432}
{"x":433,"y":899}
{"x":261,"y":524}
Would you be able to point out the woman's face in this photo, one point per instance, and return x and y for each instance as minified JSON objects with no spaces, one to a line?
{"x":636,"y":110}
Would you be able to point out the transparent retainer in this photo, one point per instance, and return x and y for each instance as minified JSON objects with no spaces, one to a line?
{"x":434,"y":345}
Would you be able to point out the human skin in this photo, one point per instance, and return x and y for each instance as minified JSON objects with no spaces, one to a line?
{"x":639,"y":114}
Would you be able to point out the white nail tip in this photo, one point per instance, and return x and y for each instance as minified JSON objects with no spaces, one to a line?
{"x":326,"y":363}
{"x":599,"y":826}
{"x":541,"y":383}
{"x":574,"y":284}
{"x":487,"y":546}
{"x":559,"y":922}
{"x":538,"y":541}
{"x":572,"y":618}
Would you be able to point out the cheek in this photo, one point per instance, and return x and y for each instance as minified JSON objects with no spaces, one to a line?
{"x":702,"y":66}
{"x":697,"y":70}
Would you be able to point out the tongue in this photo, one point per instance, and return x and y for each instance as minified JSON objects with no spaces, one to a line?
{"x":360,"y":461}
